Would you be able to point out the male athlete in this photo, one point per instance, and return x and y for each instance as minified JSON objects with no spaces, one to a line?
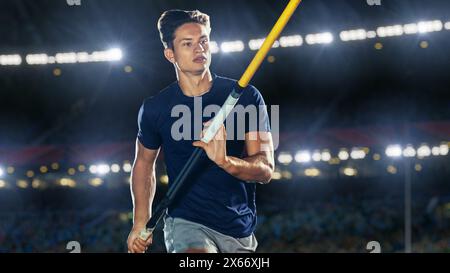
{"x":217,"y":212}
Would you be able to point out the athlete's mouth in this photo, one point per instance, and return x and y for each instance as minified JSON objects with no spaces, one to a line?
{"x":200,"y":59}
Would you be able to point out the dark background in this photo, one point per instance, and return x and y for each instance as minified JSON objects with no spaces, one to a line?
{"x":336,"y":85}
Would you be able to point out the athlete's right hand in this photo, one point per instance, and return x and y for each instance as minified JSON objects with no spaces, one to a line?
{"x":135,"y":243}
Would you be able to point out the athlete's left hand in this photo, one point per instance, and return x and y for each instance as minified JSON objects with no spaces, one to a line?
{"x":216,"y":149}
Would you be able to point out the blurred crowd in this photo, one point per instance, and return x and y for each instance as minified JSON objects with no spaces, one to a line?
{"x":340,"y":224}
{"x":348,"y":225}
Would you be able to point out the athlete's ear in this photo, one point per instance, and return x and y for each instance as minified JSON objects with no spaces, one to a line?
{"x":169,"y":54}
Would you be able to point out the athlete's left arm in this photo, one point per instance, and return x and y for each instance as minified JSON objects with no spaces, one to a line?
{"x":259,"y":164}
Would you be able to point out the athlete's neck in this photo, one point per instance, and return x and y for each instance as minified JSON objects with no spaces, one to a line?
{"x":194,"y":85}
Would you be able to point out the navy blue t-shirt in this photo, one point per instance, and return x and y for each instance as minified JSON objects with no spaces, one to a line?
{"x":212,"y":197}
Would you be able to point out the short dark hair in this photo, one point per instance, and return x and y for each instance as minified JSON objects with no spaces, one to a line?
{"x":171,"y":20}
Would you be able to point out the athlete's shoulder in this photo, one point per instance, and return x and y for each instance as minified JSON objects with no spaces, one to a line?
{"x":162,"y":97}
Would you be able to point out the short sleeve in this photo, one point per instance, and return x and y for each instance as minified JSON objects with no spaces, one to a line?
{"x":254,"y":97}
{"x":148,"y":134}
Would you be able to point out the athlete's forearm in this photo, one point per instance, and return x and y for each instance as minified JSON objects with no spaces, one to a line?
{"x":253,"y":168}
{"x":143,"y":188}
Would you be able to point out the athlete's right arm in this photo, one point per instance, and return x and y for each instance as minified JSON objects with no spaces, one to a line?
{"x":143,"y":188}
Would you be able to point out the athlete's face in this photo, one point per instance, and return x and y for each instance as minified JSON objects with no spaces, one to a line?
{"x":191,"y":53}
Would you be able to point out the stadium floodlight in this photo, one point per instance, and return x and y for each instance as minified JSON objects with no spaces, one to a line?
{"x":115,"y":168}
{"x":103,"y":169}
{"x":394,"y":151}
{"x":36,"y":59}
{"x":440,"y":150}
{"x":423,"y":151}
{"x":2,"y":184}
{"x":326,"y":156}
{"x":83,"y":57}
{"x":98,"y":56}
{"x":371,"y":34}
{"x":343,"y":154}
{"x":443,"y":149}
{"x":10,"y":170}
{"x":256,"y":44}
{"x":164,"y":179}
{"x":429,"y":26}
{"x":391,"y":169}
{"x":276,"y":175}
{"x":23,"y":184}
{"x":302,"y":157}
{"x":95,"y":182}
{"x":410,"y":28}
{"x":423,"y":27}
{"x":312,"y":172}
{"x":316,"y":156}
{"x":409,"y":151}
{"x":93,"y":169}
{"x":389,"y":31}
{"x":353,"y":35}
{"x":66,"y":182}
{"x":285,"y":158}
{"x":291,"y":41}
{"x":233,"y":46}
{"x":127,"y":167}
{"x":344,"y":35}
{"x":66,"y":58}
{"x":349,"y":171}
{"x":1,"y":172}
{"x":319,"y":38}
{"x":214,"y":47}
{"x":435,"y":151}
{"x":447,"y":25}
{"x":114,"y":54}
{"x":14,"y":59}
{"x":357,"y":153}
